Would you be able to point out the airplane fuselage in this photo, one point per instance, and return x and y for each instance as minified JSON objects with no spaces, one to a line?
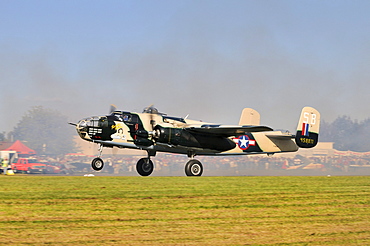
{"x":170,"y":134}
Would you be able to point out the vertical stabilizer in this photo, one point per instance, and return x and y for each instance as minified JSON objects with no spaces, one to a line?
{"x":308,"y":128}
{"x":249,"y":117}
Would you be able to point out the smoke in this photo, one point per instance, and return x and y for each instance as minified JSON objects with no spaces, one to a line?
{"x":206,"y":60}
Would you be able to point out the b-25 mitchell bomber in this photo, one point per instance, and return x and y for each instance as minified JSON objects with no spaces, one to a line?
{"x":156,"y":132}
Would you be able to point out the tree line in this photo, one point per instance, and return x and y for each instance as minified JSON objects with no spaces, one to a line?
{"x":44,"y":130}
{"x":347,"y":134}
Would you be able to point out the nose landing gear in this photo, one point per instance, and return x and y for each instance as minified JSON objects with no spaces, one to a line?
{"x":97,"y":163}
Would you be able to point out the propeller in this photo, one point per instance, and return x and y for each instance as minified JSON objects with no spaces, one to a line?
{"x":152,"y":121}
{"x":152,"y":111}
{"x":114,"y":152}
{"x":112,"y":108}
{"x":153,"y":132}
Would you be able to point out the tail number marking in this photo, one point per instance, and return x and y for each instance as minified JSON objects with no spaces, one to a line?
{"x":307,"y":140}
{"x":309,"y":118}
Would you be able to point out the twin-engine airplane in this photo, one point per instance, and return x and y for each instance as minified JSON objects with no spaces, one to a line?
{"x":156,"y":132}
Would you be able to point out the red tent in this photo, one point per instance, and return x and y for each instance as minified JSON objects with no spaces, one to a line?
{"x":21,"y":149}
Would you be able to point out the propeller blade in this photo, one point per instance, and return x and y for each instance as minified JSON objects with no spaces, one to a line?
{"x":112,"y":108}
{"x":114,"y":151}
{"x":149,"y":109}
{"x":152,"y":122}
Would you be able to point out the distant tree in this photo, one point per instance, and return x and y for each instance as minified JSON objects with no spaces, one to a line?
{"x":347,"y":134}
{"x":362,"y":138}
{"x":325,"y":132}
{"x":2,"y":136}
{"x":343,"y":130}
{"x":46,"y":131}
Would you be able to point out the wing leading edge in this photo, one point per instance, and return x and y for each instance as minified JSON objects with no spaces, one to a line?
{"x":227,"y":131}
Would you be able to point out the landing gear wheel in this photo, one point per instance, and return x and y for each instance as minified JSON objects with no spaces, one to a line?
{"x":144,"y":167}
{"x":193,"y":168}
{"x":97,"y":164}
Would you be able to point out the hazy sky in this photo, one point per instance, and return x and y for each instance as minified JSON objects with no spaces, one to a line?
{"x":208,"y":59}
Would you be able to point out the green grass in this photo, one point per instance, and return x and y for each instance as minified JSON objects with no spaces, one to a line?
{"x":37,"y":210}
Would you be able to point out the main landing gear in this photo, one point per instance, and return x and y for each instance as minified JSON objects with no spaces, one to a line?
{"x":145,"y":166}
{"x":193,"y":168}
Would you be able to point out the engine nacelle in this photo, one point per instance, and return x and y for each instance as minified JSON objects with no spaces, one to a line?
{"x":167,"y":135}
{"x":142,"y":133}
{"x":143,"y":142}
{"x":182,"y":137}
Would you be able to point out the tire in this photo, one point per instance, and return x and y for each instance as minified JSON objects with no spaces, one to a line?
{"x":144,"y":167}
{"x":193,"y":168}
{"x":97,"y":164}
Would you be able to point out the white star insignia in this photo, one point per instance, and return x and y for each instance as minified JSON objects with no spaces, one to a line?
{"x":243,"y":142}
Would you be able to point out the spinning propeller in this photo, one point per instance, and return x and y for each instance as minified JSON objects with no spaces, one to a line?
{"x":112,"y":108}
{"x":152,"y":111}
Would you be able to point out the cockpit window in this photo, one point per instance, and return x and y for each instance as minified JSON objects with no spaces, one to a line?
{"x":94,"y":122}
{"x":116,"y":116}
{"x":132,"y":118}
{"x":97,"y":122}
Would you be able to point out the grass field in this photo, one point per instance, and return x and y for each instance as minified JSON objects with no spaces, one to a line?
{"x":40,"y":210}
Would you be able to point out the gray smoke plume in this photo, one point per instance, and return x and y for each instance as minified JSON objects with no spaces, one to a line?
{"x":204,"y":59}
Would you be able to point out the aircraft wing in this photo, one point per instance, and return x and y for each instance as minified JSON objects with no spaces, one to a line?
{"x":226,"y":131}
